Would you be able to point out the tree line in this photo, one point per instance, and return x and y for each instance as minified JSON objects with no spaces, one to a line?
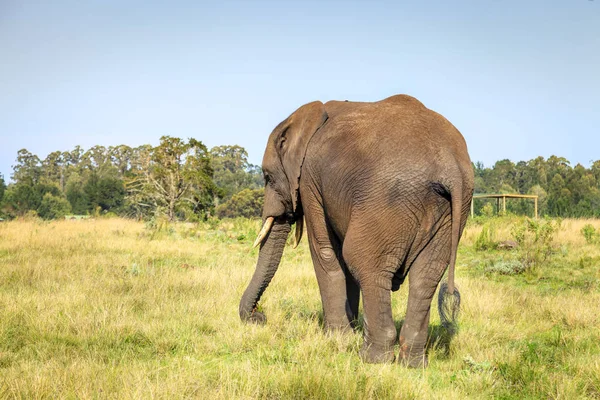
{"x":179,"y":179}
{"x":562,"y":190}
{"x":183,"y":180}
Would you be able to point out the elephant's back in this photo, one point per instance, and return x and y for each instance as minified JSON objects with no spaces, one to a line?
{"x":368,"y":154}
{"x":400,"y":130}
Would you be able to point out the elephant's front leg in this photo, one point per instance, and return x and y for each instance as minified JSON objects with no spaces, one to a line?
{"x":339,"y":291}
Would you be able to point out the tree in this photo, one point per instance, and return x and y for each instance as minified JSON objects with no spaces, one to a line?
{"x":542,"y":195}
{"x":107,"y":193}
{"x":2,"y":188}
{"x":120,"y":157}
{"x":76,"y":195}
{"x":28,"y":168}
{"x":559,"y":196}
{"x":524,"y":178}
{"x":557,"y":165}
{"x":53,"y":207}
{"x":22,"y":197}
{"x":233,"y":172}
{"x":171,"y":175}
{"x":53,"y":169}
{"x":73,"y":158}
{"x":257,"y":180}
{"x":595,"y":170}
{"x":246,"y":203}
{"x":480,"y":172}
{"x":96,"y":157}
{"x":503,"y":173}
{"x":539,"y":170}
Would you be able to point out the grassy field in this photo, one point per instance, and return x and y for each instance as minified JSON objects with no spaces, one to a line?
{"x":114,"y":309}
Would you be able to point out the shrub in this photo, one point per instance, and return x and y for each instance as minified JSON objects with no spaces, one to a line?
{"x":486,"y":239}
{"x":53,"y":207}
{"x":506,"y":267}
{"x":158,"y":226}
{"x":591,"y":235}
{"x":535,"y":239}
{"x":487,"y":210}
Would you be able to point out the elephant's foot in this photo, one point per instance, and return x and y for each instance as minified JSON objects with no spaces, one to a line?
{"x":374,"y":354}
{"x":412,"y":356}
{"x":256,"y":317}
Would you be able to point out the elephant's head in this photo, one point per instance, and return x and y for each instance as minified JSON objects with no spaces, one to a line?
{"x":282,"y":167}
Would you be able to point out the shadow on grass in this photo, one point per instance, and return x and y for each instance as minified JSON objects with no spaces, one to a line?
{"x":439,"y":337}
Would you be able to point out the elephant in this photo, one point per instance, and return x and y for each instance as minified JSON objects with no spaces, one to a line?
{"x":385,"y":189}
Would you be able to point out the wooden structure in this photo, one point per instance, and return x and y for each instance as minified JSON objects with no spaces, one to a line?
{"x":505,"y":196}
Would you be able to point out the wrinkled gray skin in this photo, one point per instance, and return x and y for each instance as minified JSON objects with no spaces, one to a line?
{"x":385,"y":189}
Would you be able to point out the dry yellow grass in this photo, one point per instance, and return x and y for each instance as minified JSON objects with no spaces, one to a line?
{"x":570,"y":233}
{"x":109,"y":309}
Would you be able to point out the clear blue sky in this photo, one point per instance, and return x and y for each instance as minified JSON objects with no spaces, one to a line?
{"x":518,"y":78}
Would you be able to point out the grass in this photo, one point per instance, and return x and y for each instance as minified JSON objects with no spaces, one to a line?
{"x":113,"y":309}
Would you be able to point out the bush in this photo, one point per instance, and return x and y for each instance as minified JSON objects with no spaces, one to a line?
{"x":535,"y":239}
{"x":158,"y":226}
{"x":487,"y":210}
{"x":506,"y":267}
{"x":591,"y":235}
{"x":53,"y":207}
{"x":486,"y":239}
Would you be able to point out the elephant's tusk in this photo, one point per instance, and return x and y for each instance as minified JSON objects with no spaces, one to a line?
{"x":264,"y":231}
{"x":299,"y":229}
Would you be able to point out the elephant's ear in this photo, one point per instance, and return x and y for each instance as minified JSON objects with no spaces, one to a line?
{"x":294,"y":139}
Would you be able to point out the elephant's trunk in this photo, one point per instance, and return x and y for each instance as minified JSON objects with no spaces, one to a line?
{"x":266,"y":266}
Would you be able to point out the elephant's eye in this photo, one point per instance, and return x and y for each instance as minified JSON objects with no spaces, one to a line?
{"x":267,"y":179}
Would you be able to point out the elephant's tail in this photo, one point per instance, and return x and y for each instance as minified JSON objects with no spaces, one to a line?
{"x":449,"y":297}
{"x":456,"y":197}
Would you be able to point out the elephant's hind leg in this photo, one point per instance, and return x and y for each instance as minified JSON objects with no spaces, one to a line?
{"x":380,"y":334}
{"x":339,"y":291}
{"x":375,"y":278}
{"x":424,"y":277}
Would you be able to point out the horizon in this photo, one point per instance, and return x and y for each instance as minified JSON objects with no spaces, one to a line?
{"x":519,"y":81}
